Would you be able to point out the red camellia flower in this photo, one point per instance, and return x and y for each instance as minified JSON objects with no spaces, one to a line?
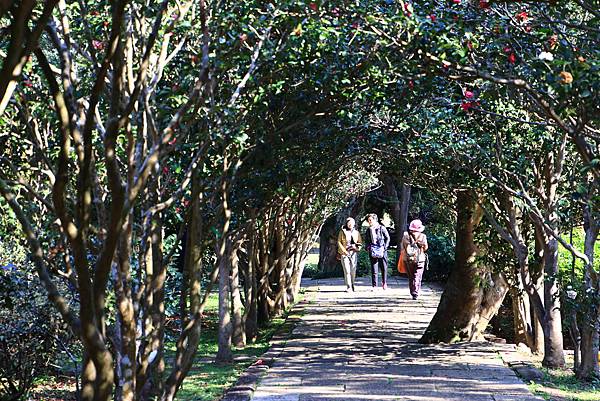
{"x":484,"y":4}
{"x":512,"y":58}
{"x":27,"y":83}
{"x":406,"y":7}
{"x":411,"y":84}
{"x":466,"y":106}
{"x":313,"y":6}
{"x":522,"y":16}
{"x":455,"y":17}
{"x":165,"y":170}
{"x":432,"y":17}
{"x":469,"y":94}
{"x":456,"y":1}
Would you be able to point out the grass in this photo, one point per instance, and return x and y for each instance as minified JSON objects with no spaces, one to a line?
{"x":207,"y":381}
{"x":562,"y":385}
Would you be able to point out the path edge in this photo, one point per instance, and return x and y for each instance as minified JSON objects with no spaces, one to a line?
{"x":245,"y":386}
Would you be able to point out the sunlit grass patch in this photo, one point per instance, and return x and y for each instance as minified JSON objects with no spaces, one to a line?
{"x":561,"y":384}
{"x":207,"y":380}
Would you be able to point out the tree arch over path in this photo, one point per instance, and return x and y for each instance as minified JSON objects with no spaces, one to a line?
{"x":225,"y":133}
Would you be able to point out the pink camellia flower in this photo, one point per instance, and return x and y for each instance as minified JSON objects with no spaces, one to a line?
{"x":469,"y":95}
{"x":313,"y":6}
{"x":507,"y":49}
{"x":411,"y":84}
{"x":97,"y":44}
{"x":512,"y":58}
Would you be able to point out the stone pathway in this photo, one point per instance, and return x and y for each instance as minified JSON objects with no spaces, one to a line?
{"x":363,"y":346}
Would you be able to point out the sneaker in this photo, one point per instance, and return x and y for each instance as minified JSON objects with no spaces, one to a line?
{"x":348,"y":289}
{"x":415,"y":297}
{"x":353,"y":288}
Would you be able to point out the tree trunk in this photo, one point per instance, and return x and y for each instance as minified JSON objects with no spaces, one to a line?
{"x":391,"y":195}
{"x":128,"y":352}
{"x":328,"y":263}
{"x":224,"y":354}
{"x":522,"y":320}
{"x":404,"y":207}
{"x":251,"y":293}
{"x":537,"y":274}
{"x":472,"y":295}
{"x":158,"y":312}
{"x":187,"y":344}
{"x":553,"y":345}
{"x":239,"y":330}
{"x":590,"y":341}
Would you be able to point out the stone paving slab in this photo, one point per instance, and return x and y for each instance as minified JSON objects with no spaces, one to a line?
{"x":363,"y":346}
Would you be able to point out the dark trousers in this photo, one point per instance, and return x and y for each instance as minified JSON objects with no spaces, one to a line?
{"x":414,"y":279}
{"x":381,"y":265}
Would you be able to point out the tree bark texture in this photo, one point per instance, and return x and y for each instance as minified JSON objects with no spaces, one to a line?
{"x":590,"y":341}
{"x":472,"y":294}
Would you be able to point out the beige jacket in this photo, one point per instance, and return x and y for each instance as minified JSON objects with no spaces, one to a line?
{"x":341,"y":241}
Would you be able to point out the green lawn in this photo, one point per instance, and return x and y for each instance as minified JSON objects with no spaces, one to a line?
{"x":207,"y":381}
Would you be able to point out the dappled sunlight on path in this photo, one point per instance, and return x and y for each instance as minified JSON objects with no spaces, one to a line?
{"x":363,"y":346}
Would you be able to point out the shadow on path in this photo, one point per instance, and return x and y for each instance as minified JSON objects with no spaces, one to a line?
{"x":363,"y":346}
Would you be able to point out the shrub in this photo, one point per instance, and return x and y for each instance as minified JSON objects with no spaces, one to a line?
{"x":28,"y":333}
{"x":441,"y":257}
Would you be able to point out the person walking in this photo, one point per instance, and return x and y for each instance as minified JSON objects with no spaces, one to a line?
{"x":348,"y":244}
{"x":414,"y":245}
{"x":377,"y":241}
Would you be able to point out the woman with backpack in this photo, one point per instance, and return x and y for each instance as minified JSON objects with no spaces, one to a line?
{"x":414,"y":245}
{"x":348,"y":245}
{"x":377,"y":241}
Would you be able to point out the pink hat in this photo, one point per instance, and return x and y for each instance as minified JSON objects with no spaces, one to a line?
{"x":416,"y":225}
